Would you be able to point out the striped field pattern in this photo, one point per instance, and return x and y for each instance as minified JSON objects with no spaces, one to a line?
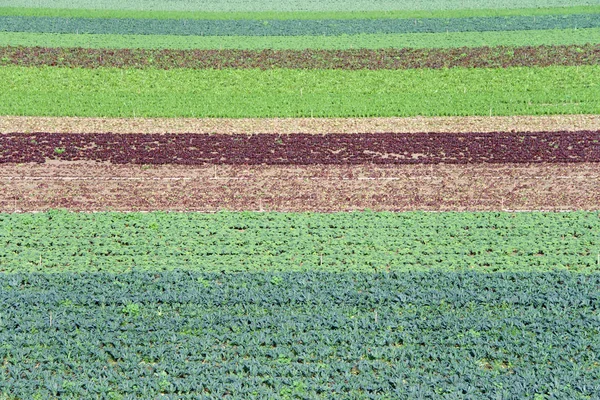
{"x":304,"y":199}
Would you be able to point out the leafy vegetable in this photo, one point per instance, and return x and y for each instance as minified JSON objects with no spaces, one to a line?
{"x":319,"y":27}
{"x":293,"y":93}
{"x":308,"y":335}
{"x":370,"y":41}
{"x":359,"y":241}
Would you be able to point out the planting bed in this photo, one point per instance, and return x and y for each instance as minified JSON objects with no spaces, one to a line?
{"x":291,"y":27}
{"x":478,"y":57}
{"x":93,"y":186}
{"x":241,"y":93}
{"x":191,"y":335}
{"x":370,"y":41}
{"x":305,"y":149}
{"x":340,"y":242}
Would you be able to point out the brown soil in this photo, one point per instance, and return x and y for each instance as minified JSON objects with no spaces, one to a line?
{"x":88,"y":186}
{"x":299,"y":125}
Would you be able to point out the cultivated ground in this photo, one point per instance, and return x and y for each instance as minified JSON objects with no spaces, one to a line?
{"x":577,"y":122}
{"x":295,"y":128}
{"x":93,"y":186}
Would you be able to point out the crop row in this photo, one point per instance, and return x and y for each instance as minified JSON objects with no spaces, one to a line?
{"x":333,"y":27}
{"x":239,"y":93}
{"x":304,"y":5}
{"x":372,"y":41}
{"x":479,"y":57}
{"x":304,"y":149}
{"x":386,"y":335}
{"x":255,"y":242}
{"x":294,"y":15}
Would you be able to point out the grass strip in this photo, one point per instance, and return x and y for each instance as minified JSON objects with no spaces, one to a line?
{"x":109,"y":92}
{"x":60,"y":241}
{"x":280,"y":15}
{"x":332,"y":27}
{"x":296,"y":5}
{"x":305,"y":149}
{"x":371,"y":41}
{"x":357,"y":335}
{"x":465,"y":57}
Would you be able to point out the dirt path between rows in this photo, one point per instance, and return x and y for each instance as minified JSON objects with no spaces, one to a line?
{"x":89,"y":186}
{"x":299,"y":125}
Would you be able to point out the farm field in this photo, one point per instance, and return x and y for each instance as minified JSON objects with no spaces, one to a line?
{"x":297,"y":5}
{"x":59,"y":241}
{"x":258,"y":335}
{"x":242,"y":93}
{"x":300,"y":200}
{"x":357,"y":59}
{"x":368,"y":41}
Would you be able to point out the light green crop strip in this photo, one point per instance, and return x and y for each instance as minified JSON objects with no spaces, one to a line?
{"x":113,"y":92}
{"x":369,"y":41}
{"x":294,"y":5}
{"x":257,"y":242}
{"x":270,"y":15}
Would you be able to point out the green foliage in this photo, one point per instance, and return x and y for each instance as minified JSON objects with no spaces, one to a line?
{"x":131,"y":309}
{"x":370,"y":41}
{"x":298,"y":5}
{"x":325,"y":27}
{"x":282,"y":15}
{"x":312,"y":335}
{"x":113,"y":92}
{"x":234,"y":242}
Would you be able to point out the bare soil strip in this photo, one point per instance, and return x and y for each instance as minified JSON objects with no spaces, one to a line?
{"x":571,"y":123}
{"x":85,"y":186}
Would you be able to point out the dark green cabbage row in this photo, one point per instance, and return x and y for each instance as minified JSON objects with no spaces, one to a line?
{"x":359,"y":241}
{"x":326,"y":27}
{"x":301,"y":335}
{"x":477,"y":57}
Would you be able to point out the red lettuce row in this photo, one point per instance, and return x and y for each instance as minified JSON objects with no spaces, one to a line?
{"x":480,"y":57}
{"x":304,"y":149}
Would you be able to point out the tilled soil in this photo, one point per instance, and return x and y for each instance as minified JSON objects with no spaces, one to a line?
{"x":299,"y":125}
{"x":89,"y":186}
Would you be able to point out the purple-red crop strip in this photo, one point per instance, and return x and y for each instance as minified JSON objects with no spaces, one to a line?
{"x":407,"y":58}
{"x":304,"y":149}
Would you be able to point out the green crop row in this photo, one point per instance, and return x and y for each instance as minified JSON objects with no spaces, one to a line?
{"x":282,"y":15}
{"x":333,"y":27}
{"x":113,"y":92}
{"x":369,"y":41}
{"x":300,"y":335}
{"x":233,"y":242}
{"x":296,"y":5}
